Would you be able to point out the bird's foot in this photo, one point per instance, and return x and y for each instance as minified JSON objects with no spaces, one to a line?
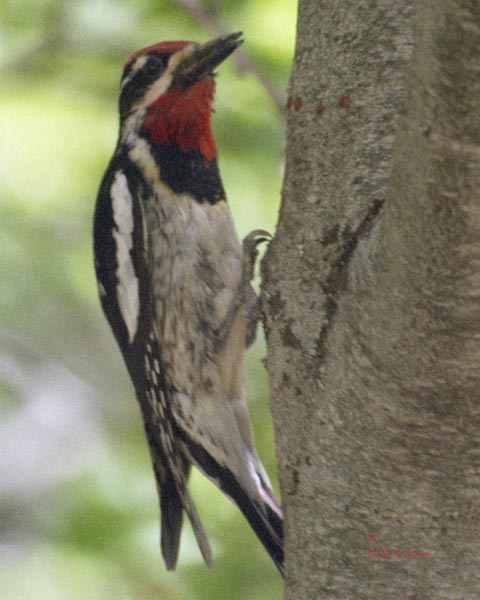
{"x":250,"y":252}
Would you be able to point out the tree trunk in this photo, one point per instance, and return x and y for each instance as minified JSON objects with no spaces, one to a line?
{"x":372,"y":302}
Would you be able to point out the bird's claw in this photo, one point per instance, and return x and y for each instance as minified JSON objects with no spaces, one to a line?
{"x":250,"y":252}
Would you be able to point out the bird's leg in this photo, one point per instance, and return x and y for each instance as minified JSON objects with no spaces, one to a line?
{"x":251,"y":312}
{"x":245,"y":297}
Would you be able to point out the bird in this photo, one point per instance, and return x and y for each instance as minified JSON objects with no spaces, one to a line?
{"x":174,"y":284}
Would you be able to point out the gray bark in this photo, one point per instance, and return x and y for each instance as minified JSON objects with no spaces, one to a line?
{"x":372,"y":302}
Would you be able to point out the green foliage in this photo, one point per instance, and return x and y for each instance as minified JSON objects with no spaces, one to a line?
{"x":78,"y":506}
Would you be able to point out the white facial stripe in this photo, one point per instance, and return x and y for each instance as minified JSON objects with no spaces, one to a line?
{"x":127,"y":286}
{"x":137,"y":65}
{"x":160,"y":86}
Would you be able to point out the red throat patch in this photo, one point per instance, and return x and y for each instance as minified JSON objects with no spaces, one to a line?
{"x":182,"y":117}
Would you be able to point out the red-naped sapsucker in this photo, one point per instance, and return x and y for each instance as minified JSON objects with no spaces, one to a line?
{"x":174,"y":284}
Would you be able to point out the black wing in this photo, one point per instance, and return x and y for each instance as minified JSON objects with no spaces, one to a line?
{"x":123,"y":277}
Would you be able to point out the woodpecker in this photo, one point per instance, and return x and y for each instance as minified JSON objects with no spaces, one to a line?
{"x":174,"y":284}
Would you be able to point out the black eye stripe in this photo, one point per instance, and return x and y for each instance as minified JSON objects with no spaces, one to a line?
{"x":154,"y":65}
{"x":155,"y":62}
{"x":138,"y":79}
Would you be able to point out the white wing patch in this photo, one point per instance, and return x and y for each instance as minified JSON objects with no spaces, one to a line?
{"x":127,"y":286}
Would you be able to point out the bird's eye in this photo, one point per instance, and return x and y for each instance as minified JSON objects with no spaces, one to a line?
{"x":155,"y":64}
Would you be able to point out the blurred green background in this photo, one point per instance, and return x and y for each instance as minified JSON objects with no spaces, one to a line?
{"x":78,"y":506}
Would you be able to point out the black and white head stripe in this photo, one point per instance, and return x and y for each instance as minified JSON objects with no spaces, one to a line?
{"x":138,"y":76}
{"x":148,"y":76}
{"x":132,"y":69}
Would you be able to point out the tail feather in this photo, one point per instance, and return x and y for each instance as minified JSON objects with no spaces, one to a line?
{"x":173,"y":501}
{"x":171,"y":472}
{"x":171,"y":522}
{"x":198,"y":530}
{"x":265,"y":518}
{"x":265,"y":522}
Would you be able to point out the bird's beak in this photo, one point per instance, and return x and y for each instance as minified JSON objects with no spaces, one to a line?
{"x":205,"y":58}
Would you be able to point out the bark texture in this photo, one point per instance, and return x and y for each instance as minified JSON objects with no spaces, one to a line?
{"x":372,"y":302}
